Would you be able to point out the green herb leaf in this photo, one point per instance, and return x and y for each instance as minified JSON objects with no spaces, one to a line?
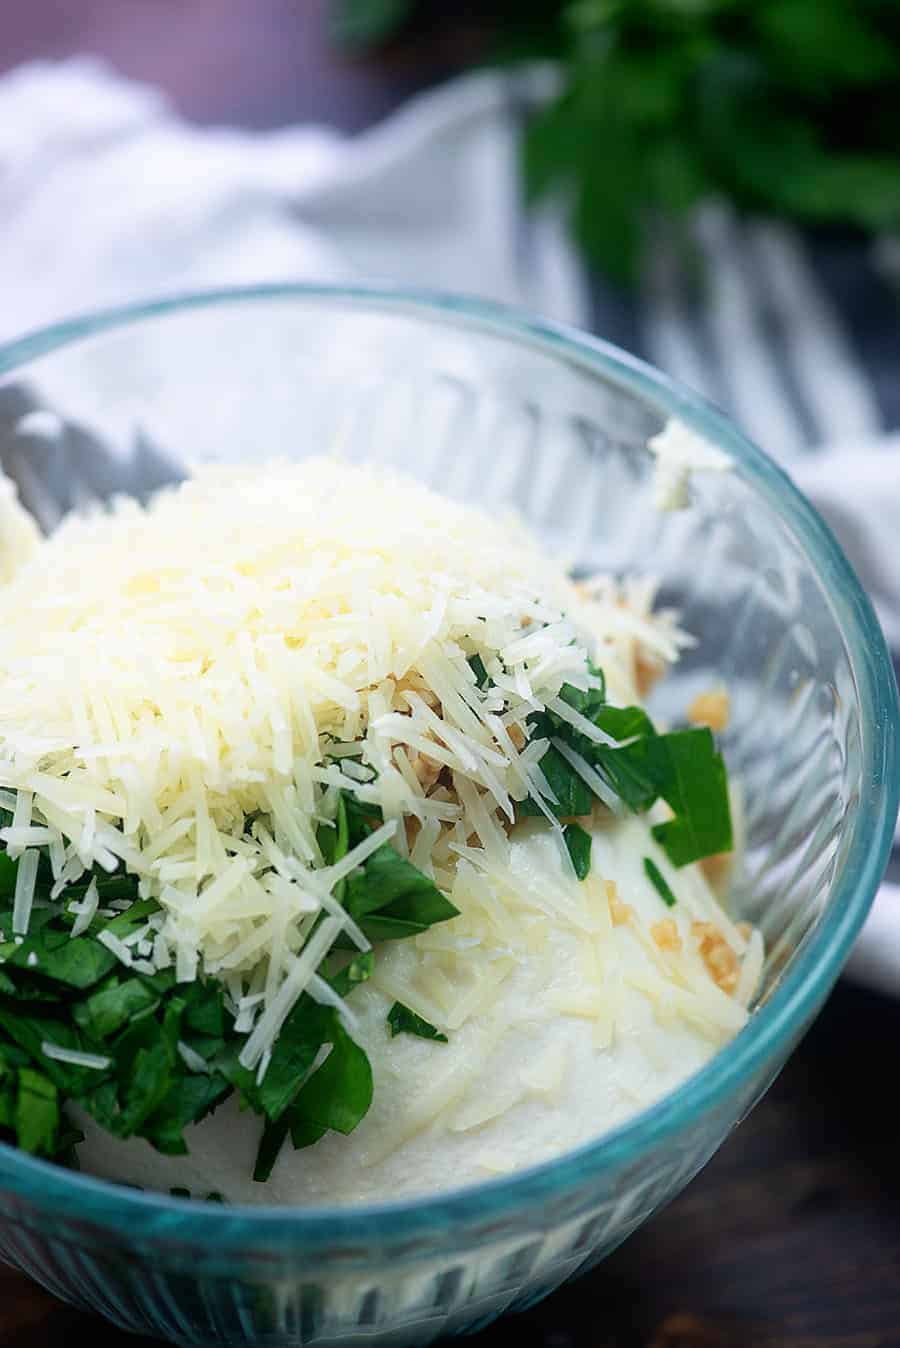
{"x":628,"y":770}
{"x":692,"y":780}
{"x":338,"y":1094}
{"x":8,"y":1097}
{"x":362,"y":818}
{"x":293,"y":1054}
{"x":476,"y":664}
{"x":574,"y":797}
{"x":655,"y":875}
{"x":116,"y":1002}
{"x":12,"y":1056}
{"x":683,"y":768}
{"x":190,"y":1098}
{"x":37,"y":1116}
{"x":391,"y":899}
{"x":110,"y":889}
{"x":130,"y":919}
{"x":205,"y":1017}
{"x":578,"y":845}
{"x":30,"y":1031}
{"x":78,"y":963}
{"x":270,"y":1144}
{"x":334,"y":840}
{"x":401,"y":1020}
{"x":357,"y":971}
{"x":8,"y":869}
{"x":588,"y":701}
{"x":145,"y":1064}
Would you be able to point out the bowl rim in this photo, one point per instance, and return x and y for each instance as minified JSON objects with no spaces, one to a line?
{"x":785,"y":1015}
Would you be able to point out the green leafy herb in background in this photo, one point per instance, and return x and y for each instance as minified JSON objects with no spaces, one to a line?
{"x":356,"y":24}
{"x":785,"y":107}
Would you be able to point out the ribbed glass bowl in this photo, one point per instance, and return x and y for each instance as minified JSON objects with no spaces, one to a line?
{"x":505,"y":410}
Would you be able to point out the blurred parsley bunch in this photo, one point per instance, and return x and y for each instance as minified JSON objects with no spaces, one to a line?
{"x":785,"y":107}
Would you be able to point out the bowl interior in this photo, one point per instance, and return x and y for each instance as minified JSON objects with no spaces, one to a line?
{"x":510,"y":414}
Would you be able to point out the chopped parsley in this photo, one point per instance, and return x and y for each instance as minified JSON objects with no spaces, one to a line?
{"x":476,"y":664}
{"x":691,"y":778}
{"x":682,"y":768}
{"x":659,"y":882}
{"x":403,"y":1021}
{"x":578,"y":845}
{"x":387,"y":896}
{"x":169,"y":1050}
{"x":574,"y":798}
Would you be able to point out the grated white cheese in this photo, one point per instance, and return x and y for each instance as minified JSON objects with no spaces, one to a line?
{"x":117,"y":947}
{"x":23,"y":897}
{"x":581,"y":723}
{"x":74,"y":1057}
{"x":680,"y":452}
{"x":192,"y":1059}
{"x":588,"y":775}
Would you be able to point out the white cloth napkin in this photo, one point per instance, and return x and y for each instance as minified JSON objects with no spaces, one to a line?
{"x":106,"y":196}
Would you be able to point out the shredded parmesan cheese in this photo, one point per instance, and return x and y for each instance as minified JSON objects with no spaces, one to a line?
{"x":24,"y":891}
{"x":85,"y":911}
{"x":74,"y":1057}
{"x":680,"y":452}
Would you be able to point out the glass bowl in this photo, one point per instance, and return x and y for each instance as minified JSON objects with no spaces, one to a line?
{"x":501,"y":408}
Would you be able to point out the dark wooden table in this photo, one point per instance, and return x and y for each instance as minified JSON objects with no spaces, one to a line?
{"x":791,"y":1236}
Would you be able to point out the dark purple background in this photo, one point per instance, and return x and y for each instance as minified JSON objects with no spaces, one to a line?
{"x":253,"y":63}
